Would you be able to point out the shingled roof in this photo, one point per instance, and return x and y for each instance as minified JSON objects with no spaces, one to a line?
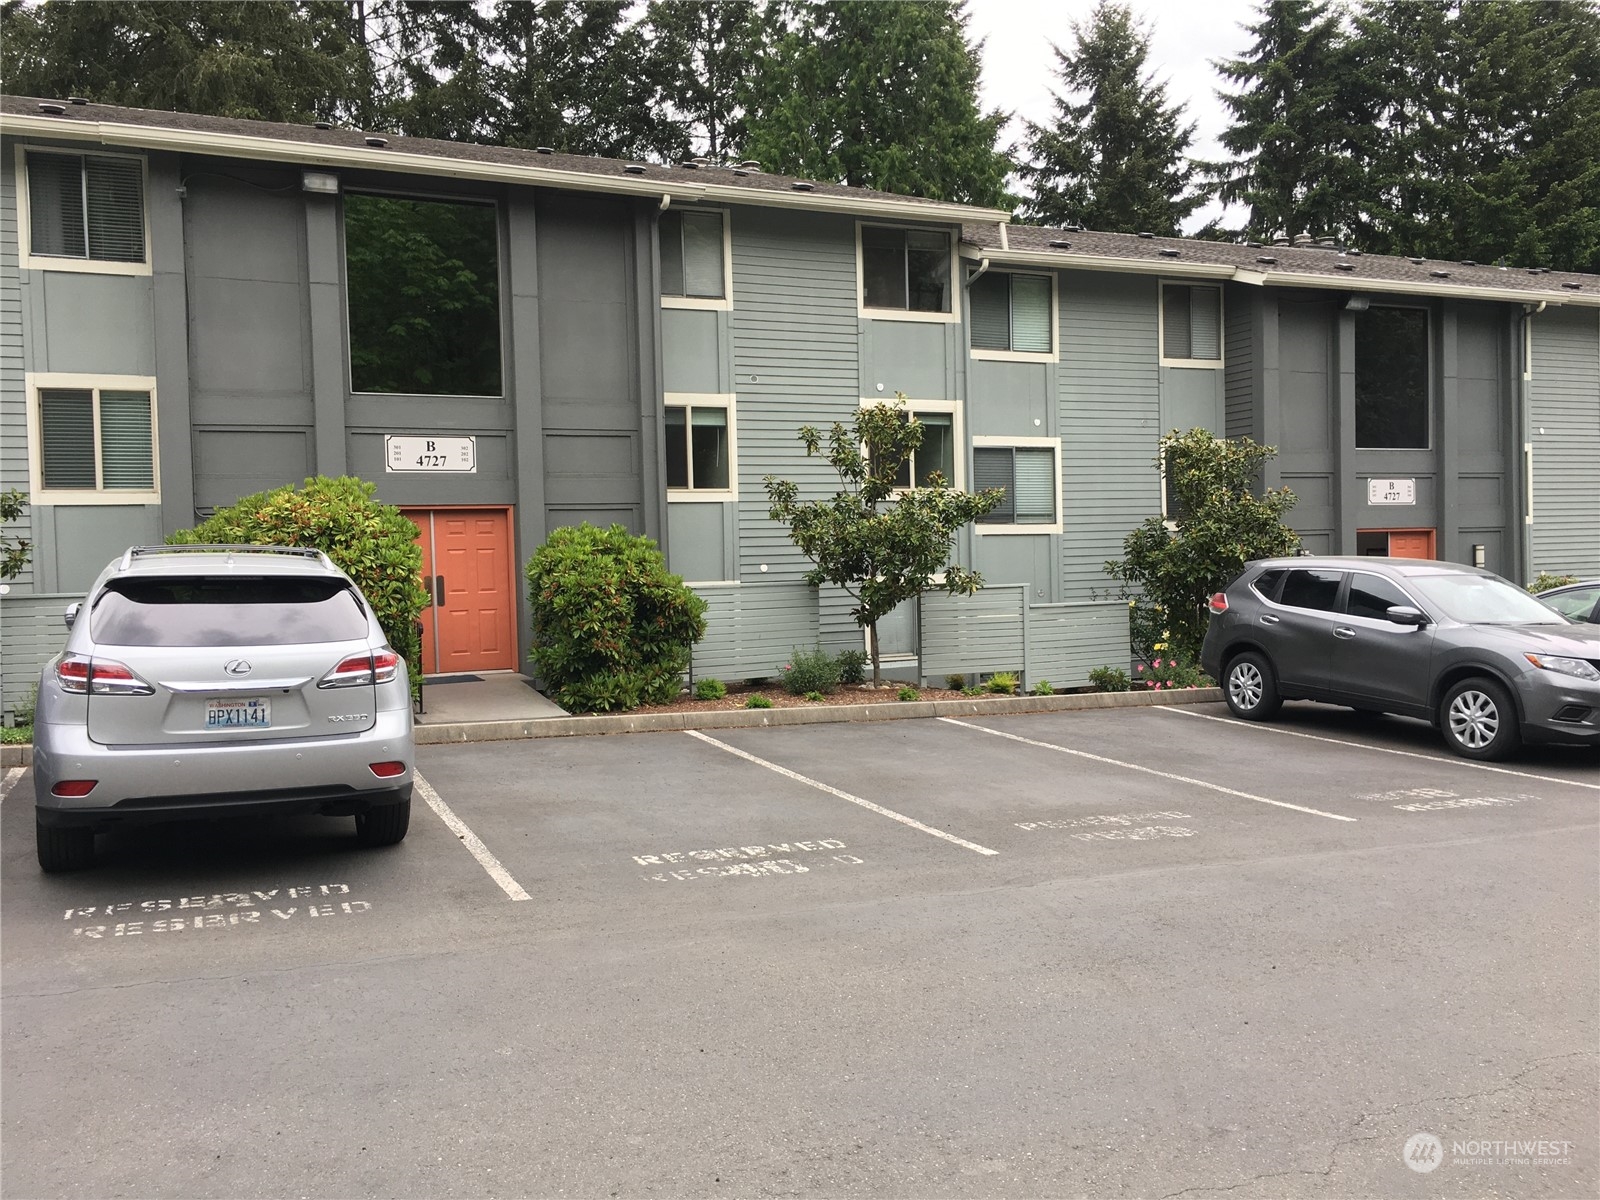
{"x":377,"y":150}
{"x":1281,"y":266}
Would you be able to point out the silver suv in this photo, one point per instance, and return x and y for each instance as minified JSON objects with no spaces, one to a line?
{"x":209,"y":681}
{"x":1481,"y":659}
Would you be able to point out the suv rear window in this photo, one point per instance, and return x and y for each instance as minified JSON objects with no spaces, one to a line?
{"x":228,"y":611}
{"x":1311,"y":589}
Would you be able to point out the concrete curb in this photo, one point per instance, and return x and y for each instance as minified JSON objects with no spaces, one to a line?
{"x":20,"y":755}
{"x":823,"y":714}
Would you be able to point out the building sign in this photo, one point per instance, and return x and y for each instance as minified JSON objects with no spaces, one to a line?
{"x":451,"y":455}
{"x":1391,"y":491}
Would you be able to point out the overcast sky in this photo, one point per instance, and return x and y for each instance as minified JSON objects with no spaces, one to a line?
{"x":1186,"y":36}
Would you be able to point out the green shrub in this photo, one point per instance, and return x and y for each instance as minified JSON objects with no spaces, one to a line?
{"x":1043,"y":688}
{"x":16,"y":735}
{"x":1546,"y":581}
{"x":1002,"y":683}
{"x":22,"y":712}
{"x":852,"y":665}
{"x":974,"y":690}
{"x":908,"y":693}
{"x":758,"y":701}
{"x":1169,"y":671}
{"x":368,"y":540}
{"x":612,"y":627}
{"x":1110,"y":679}
{"x":710,"y":689}
{"x":955,"y":683}
{"x":814,"y":697}
{"x":810,"y":671}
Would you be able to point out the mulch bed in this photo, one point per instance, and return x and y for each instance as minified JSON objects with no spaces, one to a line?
{"x":739,"y":693}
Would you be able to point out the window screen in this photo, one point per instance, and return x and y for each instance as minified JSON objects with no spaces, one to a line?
{"x":86,"y":206}
{"x":691,"y":255}
{"x":1311,"y":589}
{"x":1027,"y":473}
{"x":1392,"y":379}
{"x":1011,"y":312}
{"x":1191,"y":322}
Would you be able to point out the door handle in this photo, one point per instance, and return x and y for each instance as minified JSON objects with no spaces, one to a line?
{"x":1269,"y":619}
{"x":1345,"y":632}
{"x":438,"y":590}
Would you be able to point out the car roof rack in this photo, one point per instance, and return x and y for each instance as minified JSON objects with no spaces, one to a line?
{"x":310,"y":552}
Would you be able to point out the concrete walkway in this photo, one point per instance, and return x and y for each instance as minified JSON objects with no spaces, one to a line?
{"x":492,"y":696}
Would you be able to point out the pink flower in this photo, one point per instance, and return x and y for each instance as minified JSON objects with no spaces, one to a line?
{"x":1139,"y":668}
{"x":1158,"y":662}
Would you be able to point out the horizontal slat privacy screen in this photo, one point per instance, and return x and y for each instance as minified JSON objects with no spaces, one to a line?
{"x":66,"y":418}
{"x":126,"y":457}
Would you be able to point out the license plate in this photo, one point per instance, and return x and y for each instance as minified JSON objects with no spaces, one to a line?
{"x":250,"y":712}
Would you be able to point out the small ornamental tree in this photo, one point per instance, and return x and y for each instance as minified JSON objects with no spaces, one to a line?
{"x":1222,"y":522}
{"x":372,"y":542}
{"x":14,"y":550}
{"x":881,"y":544}
{"x":612,"y":628}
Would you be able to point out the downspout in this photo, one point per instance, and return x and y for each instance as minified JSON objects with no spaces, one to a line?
{"x":983,"y":265}
{"x":1525,"y":422}
{"x":666,"y":202}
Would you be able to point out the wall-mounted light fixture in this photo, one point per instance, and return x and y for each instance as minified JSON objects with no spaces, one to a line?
{"x":1478,"y":559}
{"x":1357,"y":303}
{"x":324,"y":183}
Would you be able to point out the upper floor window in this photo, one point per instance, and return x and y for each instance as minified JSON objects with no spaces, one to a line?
{"x":906,"y":271}
{"x":1191,"y":325}
{"x":699,"y":434}
{"x":1392,"y":379}
{"x":85,"y":212}
{"x":1013,"y":316}
{"x":93,"y":439}
{"x":941,"y":434}
{"x":694,"y":258}
{"x":1027,"y":468}
{"x":423,"y":290}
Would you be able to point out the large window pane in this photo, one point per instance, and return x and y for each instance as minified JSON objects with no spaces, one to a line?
{"x":702,"y":255}
{"x":114,"y":199}
{"x":938,"y":449}
{"x":424,"y":296}
{"x":991,"y":468}
{"x":1030,"y":314}
{"x":883,"y":266}
{"x":671,"y":233}
{"x":1392,"y":379}
{"x":66,"y":418}
{"x":1035,"y":485}
{"x":1205,"y":323}
{"x":127,"y":458}
{"x":928,"y":270}
{"x":991,"y":312}
{"x":677,"y":431}
{"x":708,"y":441}
{"x":55,"y":206}
{"x":1175,"y":322}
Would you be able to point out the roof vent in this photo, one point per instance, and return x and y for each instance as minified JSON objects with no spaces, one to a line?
{"x":750,"y":164}
{"x":51,"y":107}
{"x":1059,"y":245}
{"x":1469,"y":262}
{"x":1344,"y":266}
{"x":322,"y":124}
{"x":689,"y":164}
{"x":544,"y":150}
{"x":1304,"y":239}
{"x":801,"y":185}
{"x":634,"y":169}
{"x":1353,"y":253}
{"x":80,"y":100}
{"x":1440,"y":274}
{"x":1168,"y":252}
{"x":1147,"y":236}
{"x":1254,"y":245}
{"x":740,"y":171}
{"x":1573,"y":287}
{"x":375,"y":141}
{"x":1416,"y":261}
{"x":1266,"y":258}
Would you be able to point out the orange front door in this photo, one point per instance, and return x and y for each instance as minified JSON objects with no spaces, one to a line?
{"x":466,"y":566}
{"x":1411,"y":543}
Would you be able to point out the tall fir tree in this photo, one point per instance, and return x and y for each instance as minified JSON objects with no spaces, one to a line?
{"x":877,"y":94}
{"x":1115,"y":157}
{"x":1292,"y":146}
{"x":698,"y":57}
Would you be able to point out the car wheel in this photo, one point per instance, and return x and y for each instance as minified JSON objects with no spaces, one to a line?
{"x":1478,"y":720}
{"x":63,"y":848}
{"x":1251,"y":688}
{"x":384,"y":825}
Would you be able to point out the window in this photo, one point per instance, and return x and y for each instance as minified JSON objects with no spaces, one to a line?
{"x":1027,"y":468}
{"x":1581,"y":604}
{"x":699,"y":433}
{"x":187,"y":610}
{"x":1191,"y":325}
{"x":1266,"y":583}
{"x":1312,"y":589}
{"x":85,"y":212}
{"x":694,"y":258}
{"x":1012,"y":315}
{"x":1372,"y":596}
{"x":1392,"y":379}
{"x":423,"y":289}
{"x":906,"y":270}
{"x":93,"y":439}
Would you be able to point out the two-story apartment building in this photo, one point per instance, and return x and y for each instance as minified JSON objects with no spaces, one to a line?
{"x":195,"y":308}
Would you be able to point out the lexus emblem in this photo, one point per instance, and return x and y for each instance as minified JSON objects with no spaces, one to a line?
{"x":238,"y":666}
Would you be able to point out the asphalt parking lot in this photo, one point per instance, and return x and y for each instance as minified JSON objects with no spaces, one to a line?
{"x":1136,"y":952}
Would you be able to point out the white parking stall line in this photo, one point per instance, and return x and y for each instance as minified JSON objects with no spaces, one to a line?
{"x":833,"y":791}
{"x":1117,"y":762}
{"x":10,"y":781}
{"x":469,"y":839}
{"x":1445,"y":759}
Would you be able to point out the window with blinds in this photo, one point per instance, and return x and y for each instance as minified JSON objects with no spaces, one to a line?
{"x":1028,"y":475}
{"x":1011,"y":313}
{"x":692,"y":255}
{"x":1191,"y":323}
{"x":96,"y":440}
{"x":699,"y":449}
{"x":86,"y":206}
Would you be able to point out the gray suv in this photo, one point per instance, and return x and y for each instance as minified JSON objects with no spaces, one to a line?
{"x":207,"y":681}
{"x":1477,"y":656}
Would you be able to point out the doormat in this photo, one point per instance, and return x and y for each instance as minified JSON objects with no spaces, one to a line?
{"x":436,"y":680}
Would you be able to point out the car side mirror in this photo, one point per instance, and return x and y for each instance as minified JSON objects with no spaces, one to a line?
{"x":71,"y":614}
{"x":1404,"y":614}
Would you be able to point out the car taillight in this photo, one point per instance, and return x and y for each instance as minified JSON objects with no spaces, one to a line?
{"x":71,"y":789}
{"x":1218,"y":602}
{"x":100,"y":677}
{"x":387,"y":770}
{"x":379,"y":667}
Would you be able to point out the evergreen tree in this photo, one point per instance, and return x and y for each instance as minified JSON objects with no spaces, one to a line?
{"x":699,"y":56}
{"x":1114,"y":159}
{"x":880,"y":95}
{"x":1290,"y":148}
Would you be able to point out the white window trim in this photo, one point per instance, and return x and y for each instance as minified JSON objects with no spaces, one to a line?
{"x":958,"y":431}
{"x":34,"y":382}
{"x":28,"y":261}
{"x":726,"y":401}
{"x":704,"y":303}
{"x":1054,"y":445}
{"x":1208,"y":364}
{"x":1037,"y":356}
{"x":953,"y":317}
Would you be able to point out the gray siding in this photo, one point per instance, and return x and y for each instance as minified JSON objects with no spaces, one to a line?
{"x":31,"y":633}
{"x":999,"y":630}
{"x":1307,"y":420}
{"x":13,"y":402}
{"x":752,"y":628}
{"x":1240,"y":354}
{"x":1564,"y":427}
{"x":1475,"y":477}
